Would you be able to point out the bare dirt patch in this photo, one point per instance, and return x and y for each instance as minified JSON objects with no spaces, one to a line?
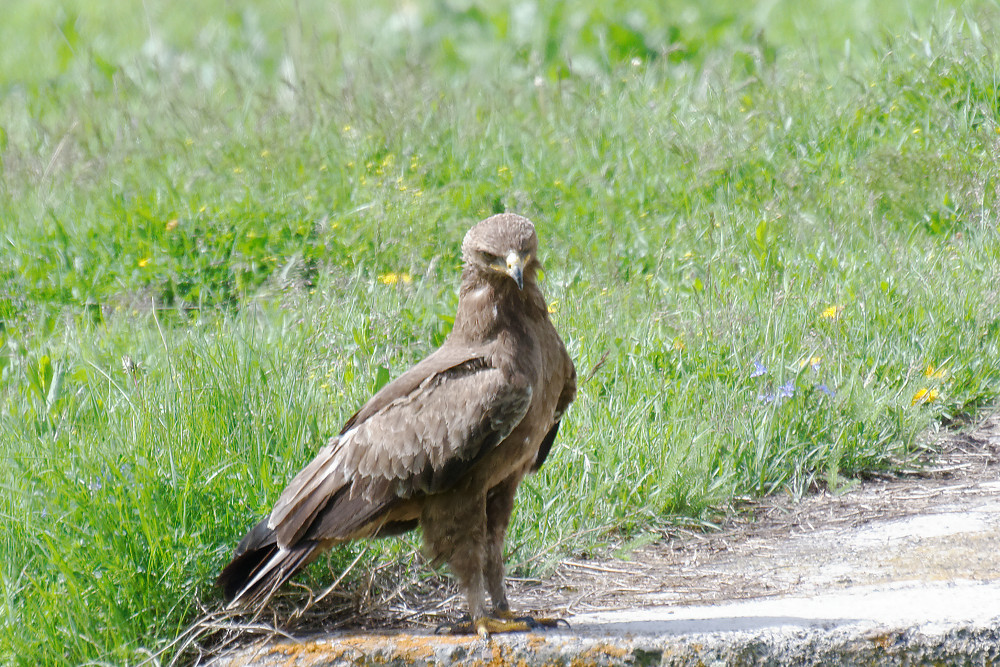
{"x":933,"y":523}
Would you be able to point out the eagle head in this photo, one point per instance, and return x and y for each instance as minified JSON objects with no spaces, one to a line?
{"x":503,"y":244}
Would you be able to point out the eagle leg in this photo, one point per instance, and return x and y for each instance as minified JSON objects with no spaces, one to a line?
{"x":468,"y":532}
{"x":499,"y":506}
{"x":455,"y":531}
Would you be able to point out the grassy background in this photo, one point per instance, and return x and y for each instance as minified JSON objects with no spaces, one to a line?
{"x":776,"y":225}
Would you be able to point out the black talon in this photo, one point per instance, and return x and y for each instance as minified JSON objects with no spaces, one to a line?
{"x":536,"y":624}
{"x":453,"y":628}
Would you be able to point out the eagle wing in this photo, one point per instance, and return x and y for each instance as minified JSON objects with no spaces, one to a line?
{"x":416,"y":436}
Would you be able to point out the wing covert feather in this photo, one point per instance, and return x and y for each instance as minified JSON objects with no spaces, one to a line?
{"x":418,"y":442}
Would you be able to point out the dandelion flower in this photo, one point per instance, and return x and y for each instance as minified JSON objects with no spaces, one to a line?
{"x":811,"y":362}
{"x":924,"y":395}
{"x":832,"y":313}
{"x":144,"y":262}
{"x":395,"y":278}
{"x":935,"y":373}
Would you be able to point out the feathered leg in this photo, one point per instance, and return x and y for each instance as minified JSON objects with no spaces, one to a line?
{"x":499,"y":507}
{"x":455,"y":532}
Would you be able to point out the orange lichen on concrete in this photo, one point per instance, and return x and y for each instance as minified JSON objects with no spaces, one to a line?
{"x":599,"y":654}
{"x":303,"y":654}
{"x":532,"y":650}
{"x":390,"y":648}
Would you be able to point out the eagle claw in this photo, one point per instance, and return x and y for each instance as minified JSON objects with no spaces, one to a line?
{"x":507,"y":622}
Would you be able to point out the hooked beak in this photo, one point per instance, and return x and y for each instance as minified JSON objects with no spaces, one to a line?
{"x":515,"y":268}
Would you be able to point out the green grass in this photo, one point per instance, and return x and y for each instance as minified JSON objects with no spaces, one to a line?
{"x":765,"y":231}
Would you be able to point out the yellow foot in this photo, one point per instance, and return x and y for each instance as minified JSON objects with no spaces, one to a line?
{"x":506,"y":622}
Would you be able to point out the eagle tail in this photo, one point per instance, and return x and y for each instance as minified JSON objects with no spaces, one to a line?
{"x":260,"y":567}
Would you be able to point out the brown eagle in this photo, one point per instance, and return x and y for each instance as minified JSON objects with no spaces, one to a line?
{"x":444,"y":445}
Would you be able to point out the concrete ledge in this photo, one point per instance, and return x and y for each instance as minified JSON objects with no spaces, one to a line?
{"x":870,"y":626}
{"x":774,"y":647}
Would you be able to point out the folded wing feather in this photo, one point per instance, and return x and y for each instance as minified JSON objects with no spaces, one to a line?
{"x":417,"y":443}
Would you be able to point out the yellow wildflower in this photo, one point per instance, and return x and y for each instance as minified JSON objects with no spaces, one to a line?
{"x":832,"y":313}
{"x":144,"y":262}
{"x":395,"y":278}
{"x":553,"y":306}
{"x":810,"y":361}
{"x":386,"y":164}
{"x":172,"y":224}
{"x":924,"y":395}
{"x":679,"y":344}
{"x":935,"y":373}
